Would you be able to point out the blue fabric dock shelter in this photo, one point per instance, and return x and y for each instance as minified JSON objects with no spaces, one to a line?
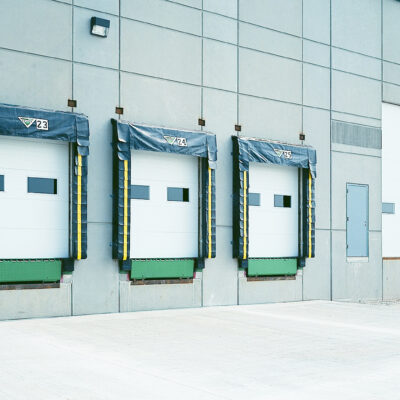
{"x":131,"y":136}
{"x":246,"y":150}
{"x":27,"y":122}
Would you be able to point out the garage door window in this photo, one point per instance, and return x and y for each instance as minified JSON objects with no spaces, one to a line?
{"x":42,"y":185}
{"x":178,"y":194}
{"x":282,"y":201}
{"x":1,"y":183}
{"x":254,"y":199}
{"x":140,"y":192}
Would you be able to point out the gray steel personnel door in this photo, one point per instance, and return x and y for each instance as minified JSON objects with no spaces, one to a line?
{"x":357,"y":220}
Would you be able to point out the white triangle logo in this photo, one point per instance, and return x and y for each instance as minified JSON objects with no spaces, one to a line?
{"x":27,"y":121}
{"x":170,"y":139}
{"x":278,"y":152}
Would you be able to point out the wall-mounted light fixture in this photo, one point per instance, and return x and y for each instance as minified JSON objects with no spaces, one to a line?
{"x":99,"y":26}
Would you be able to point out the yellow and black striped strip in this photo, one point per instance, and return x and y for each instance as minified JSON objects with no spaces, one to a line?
{"x":309,"y":214}
{"x":209,"y":212}
{"x":245,"y":215}
{"x":79,"y":209}
{"x":125,"y":247}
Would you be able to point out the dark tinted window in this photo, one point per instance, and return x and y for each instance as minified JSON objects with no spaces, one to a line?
{"x":254,"y":199}
{"x":1,"y":183}
{"x":282,"y":201}
{"x":42,"y":185}
{"x":178,"y":194}
{"x":140,"y":192}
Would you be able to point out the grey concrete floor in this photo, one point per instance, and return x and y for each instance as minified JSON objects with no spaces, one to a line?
{"x":309,"y":350}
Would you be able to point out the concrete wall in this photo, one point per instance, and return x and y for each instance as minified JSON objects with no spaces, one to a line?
{"x":277,"y":68}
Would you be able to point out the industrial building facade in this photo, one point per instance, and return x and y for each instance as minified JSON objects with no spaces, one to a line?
{"x":166,"y":154}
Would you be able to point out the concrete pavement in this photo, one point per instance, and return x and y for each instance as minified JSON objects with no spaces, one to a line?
{"x":309,"y":350}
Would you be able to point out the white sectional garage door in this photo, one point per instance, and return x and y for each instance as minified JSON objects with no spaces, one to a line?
{"x":34,"y":202}
{"x":164,"y":214}
{"x":273,"y":223}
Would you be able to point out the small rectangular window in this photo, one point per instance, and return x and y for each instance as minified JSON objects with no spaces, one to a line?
{"x":388,"y":208}
{"x":140,"y":192}
{"x":42,"y":185}
{"x":178,"y":194}
{"x":254,"y":199}
{"x":1,"y":183}
{"x":282,"y":201}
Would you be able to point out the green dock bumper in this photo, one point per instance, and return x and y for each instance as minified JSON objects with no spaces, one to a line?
{"x":272,"y":266}
{"x":12,"y":271}
{"x":162,"y":269}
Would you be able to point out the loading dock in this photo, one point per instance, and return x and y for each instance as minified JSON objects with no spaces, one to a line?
{"x":43,"y":200}
{"x":34,"y":203}
{"x":273,"y":206}
{"x":162,"y":227}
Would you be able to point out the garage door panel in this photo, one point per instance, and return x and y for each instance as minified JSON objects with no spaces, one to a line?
{"x":163,"y":219}
{"x":165,"y":245}
{"x":34,"y":243}
{"x":167,"y":167}
{"x":34,"y":225}
{"x":38,"y":155}
{"x":274,"y":245}
{"x":162,"y":228}
{"x":273,"y":231}
{"x":33,"y":214}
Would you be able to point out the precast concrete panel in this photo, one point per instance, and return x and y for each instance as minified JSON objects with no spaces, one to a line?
{"x":90,"y":49}
{"x":391,"y":30}
{"x":391,"y":72}
{"x":107,"y":6}
{"x":164,"y":53}
{"x":263,"y":118}
{"x":391,"y":93}
{"x":220,"y":28}
{"x":162,"y":225}
{"x":356,"y":95}
{"x":356,"y":26}
{"x":356,"y":63}
{"x":273,"y":226}
{"x":269,"y":76}
{"x":220,"y":65}
{"x":42,"y":81}
{"x":160,"y":102}
{"x":224,"y":7}
{"x":34,"y":224}
{"x":269,"y":41}
{"x":316,"y":53}
{"x":42,"y":27}
{"x":316,"y":20}
{"x":164,"y":13}
{"x":284,"y":16}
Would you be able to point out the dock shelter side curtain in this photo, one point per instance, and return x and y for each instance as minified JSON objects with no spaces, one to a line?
{"x":130,"y":136}
{"x":246,"y":150}
{"x":69,"y":127}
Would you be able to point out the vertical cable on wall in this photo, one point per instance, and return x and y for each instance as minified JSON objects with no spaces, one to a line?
{"x":202,"y":63}
{"x":72,"y":49}
{"x":330,"y":149}
{"x":119,"y":56}
{"x":302,"y":130}
{"x":237,"y":66}
{"x":381,"y":111}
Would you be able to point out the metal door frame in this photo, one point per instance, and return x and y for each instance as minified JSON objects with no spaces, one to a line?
{"x":347,"y":216}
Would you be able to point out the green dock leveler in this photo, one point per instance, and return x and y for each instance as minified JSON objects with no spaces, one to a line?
{"x":17,"y":271}
{"x":162,"y":269}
